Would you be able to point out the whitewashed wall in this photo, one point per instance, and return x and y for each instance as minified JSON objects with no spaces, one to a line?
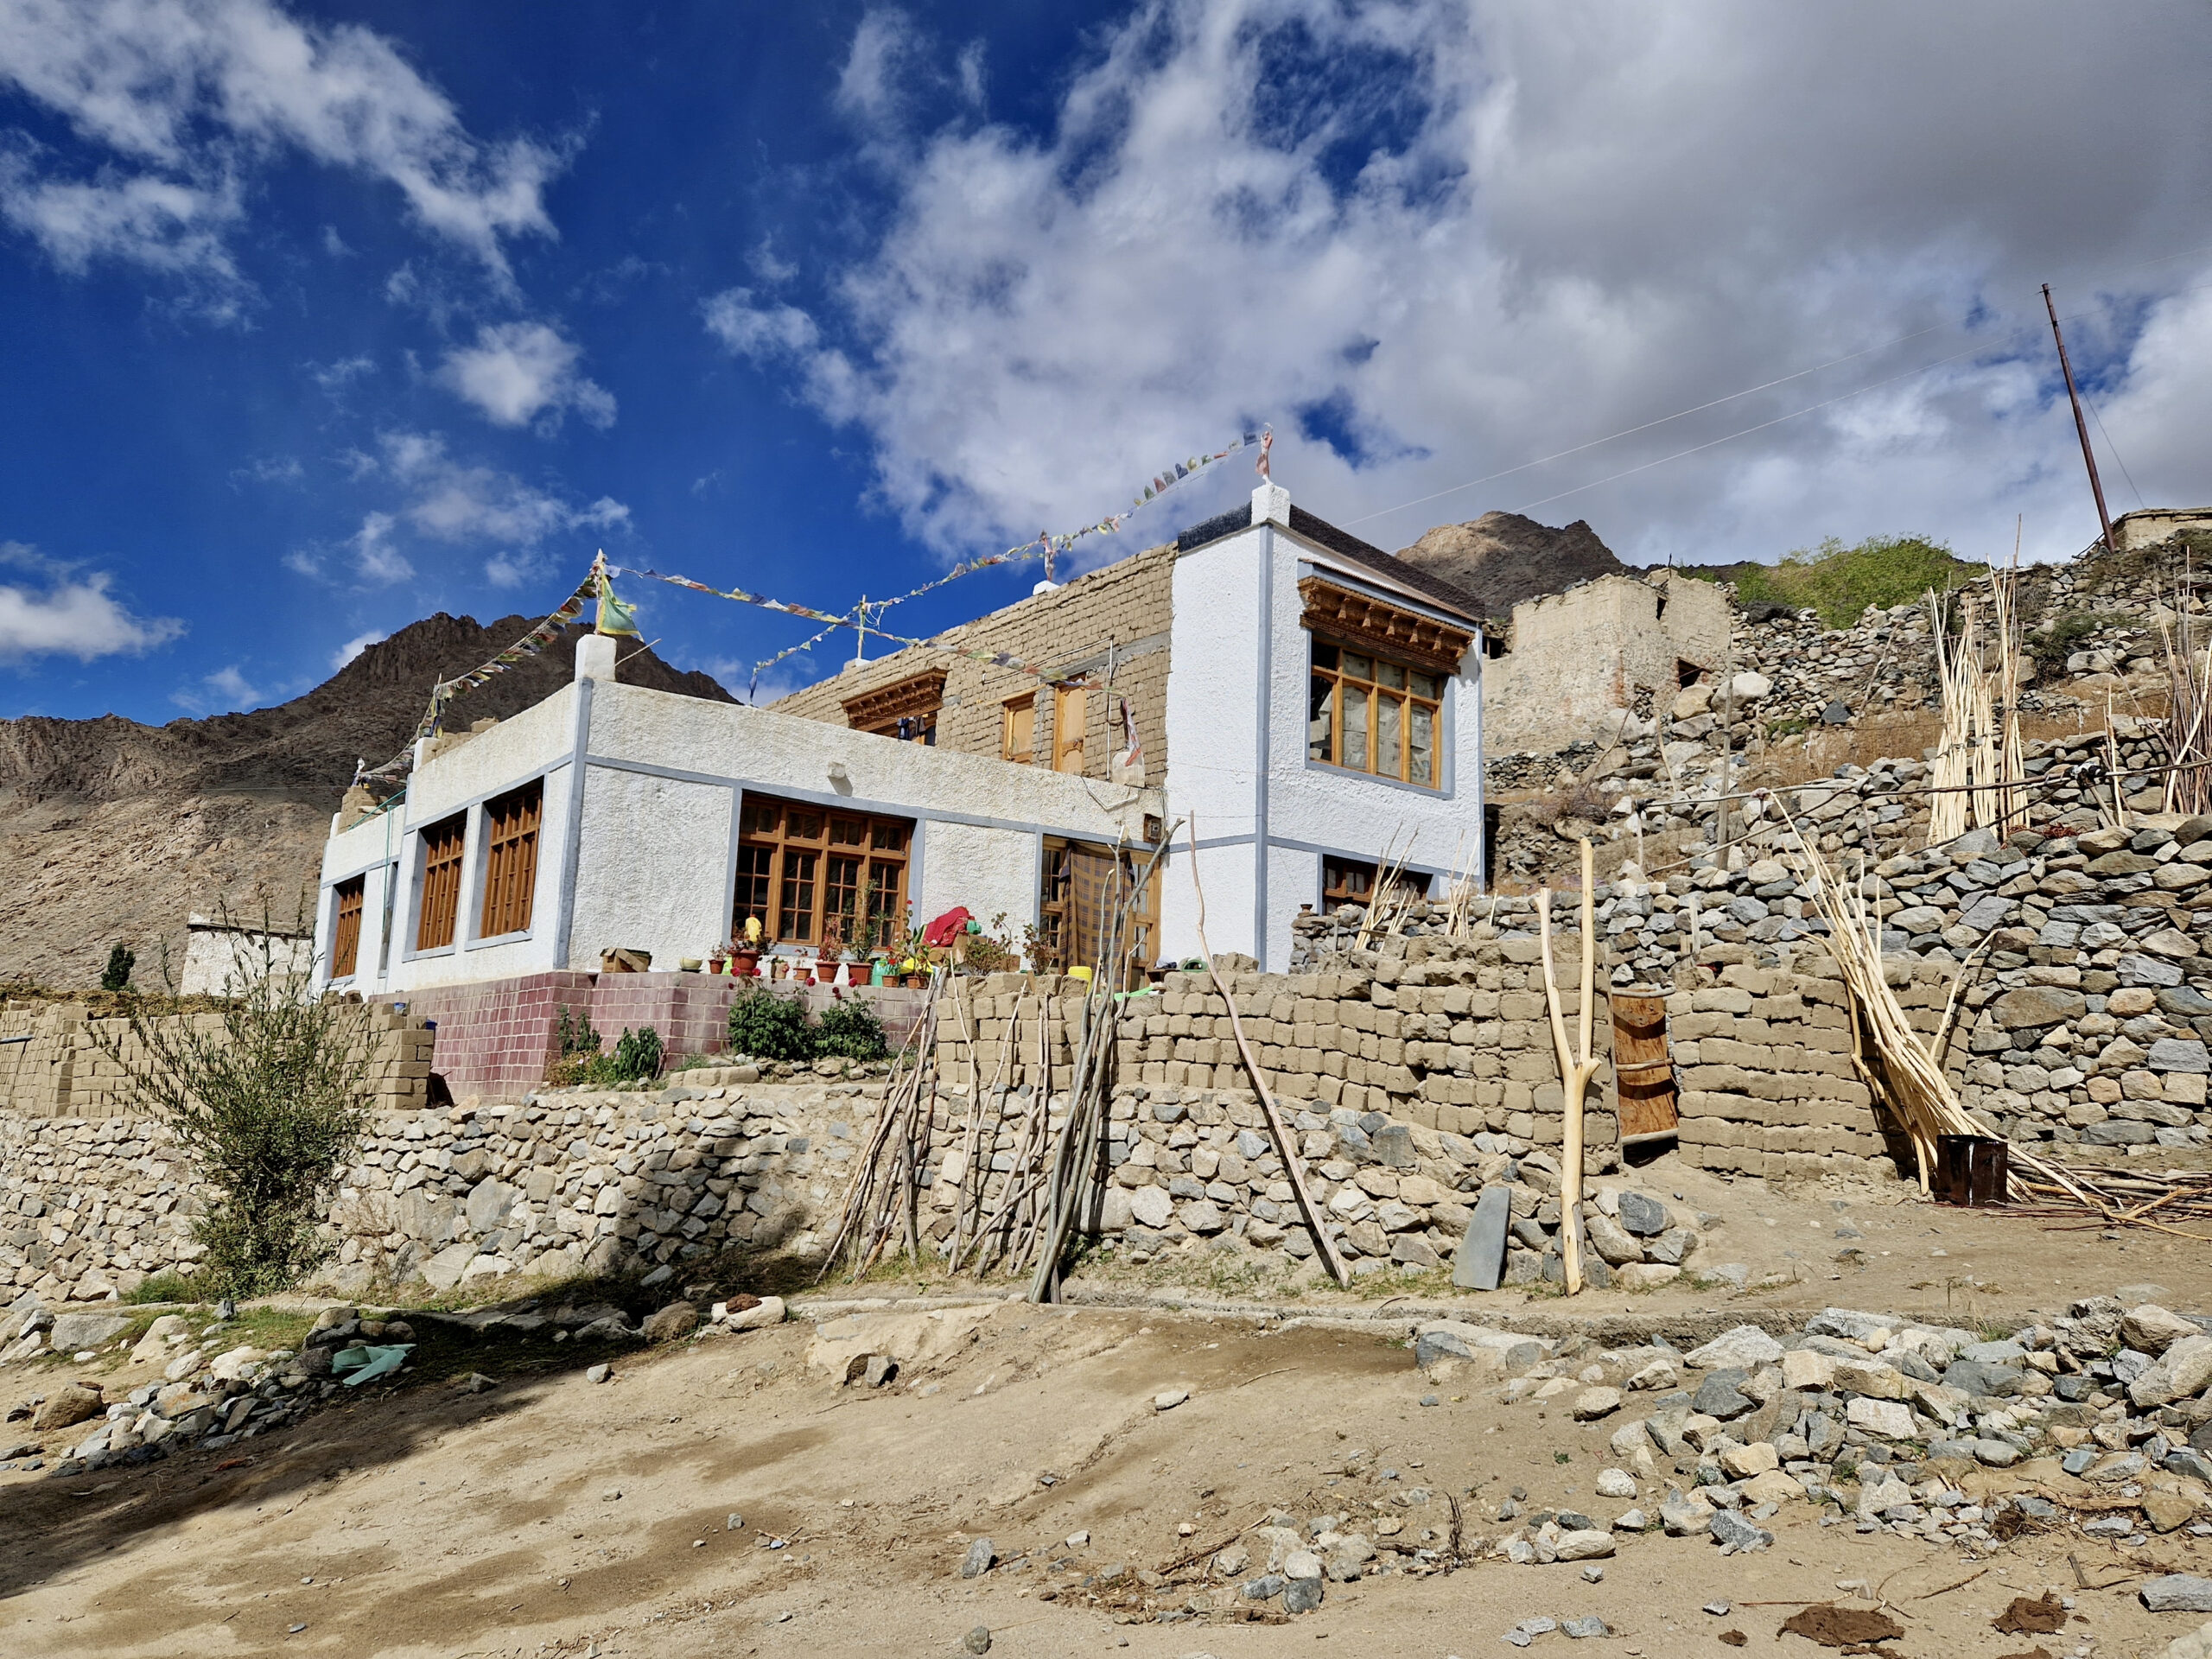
{"x":1310,"y":810}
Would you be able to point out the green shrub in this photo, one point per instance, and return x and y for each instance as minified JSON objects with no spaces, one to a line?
{"x":768,"y":1026}
{"x":1840,"y":582}
{"x":637,"y":1057}
{"x":269,"y":1098}
{"x":2067,"y":636}
{"x":850,"y":1031}
{"x":116,"y":976}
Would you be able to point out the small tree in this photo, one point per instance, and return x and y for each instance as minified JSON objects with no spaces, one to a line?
{"x":121,"y":959}
{"x":268,"y":1095}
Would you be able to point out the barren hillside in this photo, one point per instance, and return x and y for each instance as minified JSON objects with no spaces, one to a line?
{"x":1502,"y":558}
{"x":110,"y":830}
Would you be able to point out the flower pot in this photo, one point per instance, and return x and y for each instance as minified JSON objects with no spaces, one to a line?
{"x":745,"y":964}
{"x":916,"y":982}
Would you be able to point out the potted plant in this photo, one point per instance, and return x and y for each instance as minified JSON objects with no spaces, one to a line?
{"x":745,"y":950}
{"x":716,"y":958}
{"x":825,"y":960}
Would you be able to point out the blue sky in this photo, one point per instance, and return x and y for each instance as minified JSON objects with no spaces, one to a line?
{"x":325,"y":318}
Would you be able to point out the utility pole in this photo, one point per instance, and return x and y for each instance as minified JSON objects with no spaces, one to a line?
{"x":2088,"y":455}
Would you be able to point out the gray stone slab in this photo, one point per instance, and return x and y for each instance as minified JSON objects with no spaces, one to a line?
{"x":1480,"y":1262}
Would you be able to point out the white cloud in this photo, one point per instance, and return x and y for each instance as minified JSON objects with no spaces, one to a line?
{"x":455,"y":502}
{"x":353,"y":647}
{"x":334,"y":378}
{"x":185,"y":99}
{"x":761,"y":333}
{"x":269,"y":469}
{"x":1432,"y":242}
{"x":71,"y":615}
{"x":516,"y":371}
{"x":226,"y":690}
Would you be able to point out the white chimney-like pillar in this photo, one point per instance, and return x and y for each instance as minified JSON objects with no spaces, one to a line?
{"x":595,"y":656}
{"x":1271,"y":506}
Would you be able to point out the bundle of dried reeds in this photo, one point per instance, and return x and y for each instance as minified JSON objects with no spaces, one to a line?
{"x":1980,"y":769}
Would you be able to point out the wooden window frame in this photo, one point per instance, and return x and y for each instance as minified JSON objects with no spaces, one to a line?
{"x":1328,"y":676}
{"x":437,"y":914}
{"x":1352,"y":881}
{"x":813,"y":864}
{"x":514,"y":825}
{"x":1019,"y":713}
{"x":907,"y":710}
{"x":351,"y":896}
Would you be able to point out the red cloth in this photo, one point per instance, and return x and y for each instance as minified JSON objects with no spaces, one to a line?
{"x":946,"y":928}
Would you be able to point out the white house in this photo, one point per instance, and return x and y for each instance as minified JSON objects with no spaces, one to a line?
{"x":1315,"y":701}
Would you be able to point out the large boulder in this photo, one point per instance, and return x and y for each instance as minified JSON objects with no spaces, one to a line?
{"x":2183,"y":1369}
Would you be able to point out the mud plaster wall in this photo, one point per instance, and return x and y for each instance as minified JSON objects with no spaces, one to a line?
{"x":1577,"y":657}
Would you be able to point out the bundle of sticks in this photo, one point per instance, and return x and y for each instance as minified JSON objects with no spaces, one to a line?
{"x":1905,"y":1075}
{"x":1056,"y":1176}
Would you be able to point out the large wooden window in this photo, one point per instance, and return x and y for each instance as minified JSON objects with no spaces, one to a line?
{"x":1084,"y":885}
{"x":1348,"y":882}
{"x":511,"y":826}
{"x":1070,"y":711}
{"x":346,"y":932}
{"x":442,"y":850}
{"x":1018,"y":730}
{"x":816,"y":876}
{"x":1369,"y":713}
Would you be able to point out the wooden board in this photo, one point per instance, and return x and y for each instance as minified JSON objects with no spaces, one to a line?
{"x":1643,"y":1070}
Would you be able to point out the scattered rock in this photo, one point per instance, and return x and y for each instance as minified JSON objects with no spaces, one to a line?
{"x":671,"y":1324}
{"x":2177,"y":1592}
{"x":1168,"y":1399}
{"x":979,"y":1559}
{"x":599,"y":1373}
{"x":978,"y":1640}
{"x":66,"y":1407}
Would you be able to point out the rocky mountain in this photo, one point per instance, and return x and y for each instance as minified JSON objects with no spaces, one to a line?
{"x":1502,"y":558}
{"x":113,"y":831}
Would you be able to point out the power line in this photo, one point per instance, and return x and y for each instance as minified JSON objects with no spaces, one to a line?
{"x":1746,"y":431}
{"x":1647,"y":426}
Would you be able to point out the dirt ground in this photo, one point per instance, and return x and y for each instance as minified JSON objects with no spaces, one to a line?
{"x":552,"y":1515}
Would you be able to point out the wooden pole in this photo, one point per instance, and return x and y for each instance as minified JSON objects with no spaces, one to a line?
{"x":1574,"y":1073}
{"x":1292,"y":1165}
{"x":2081,"y":426}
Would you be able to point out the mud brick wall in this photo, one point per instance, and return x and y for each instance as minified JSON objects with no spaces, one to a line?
{"x":1449,"y":1035}
{"x":1768,"y":1085}
{"x":66,"y":1071}
{"x":1111,"y":624}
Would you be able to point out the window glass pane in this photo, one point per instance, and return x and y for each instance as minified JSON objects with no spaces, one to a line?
{"x":1355,"y":727}
{"x":1390,"y":674}
{"x":1360,"y":668}
{"x":1320,"y":716}
{"x":849,"y":832}
{"x":1423,"y":685}
{"x":883,"y":917}
{"x":890,"y":837}
{"x":795,"y":919}
{"x":1388,"y":712}
{"x":760,"y":817}
{"x":840,"y":898}
{"x":1323,"y":656}
{"x":1420,"y":744}
{"x":802,"y":823}
{"x":753,"y":867}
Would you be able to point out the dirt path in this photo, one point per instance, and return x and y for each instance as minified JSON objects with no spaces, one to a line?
{"x":557,"y":1515}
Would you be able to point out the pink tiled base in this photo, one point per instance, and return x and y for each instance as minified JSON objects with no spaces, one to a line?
{"x":499,"y":1037}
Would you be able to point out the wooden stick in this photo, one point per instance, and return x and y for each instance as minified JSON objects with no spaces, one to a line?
{"x":1294,"y":1166}
{"x":1574,"y":1073}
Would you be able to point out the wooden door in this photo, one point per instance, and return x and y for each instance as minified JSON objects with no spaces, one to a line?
{"x":1643,"y":1070}
{"x":1071,"y":713}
